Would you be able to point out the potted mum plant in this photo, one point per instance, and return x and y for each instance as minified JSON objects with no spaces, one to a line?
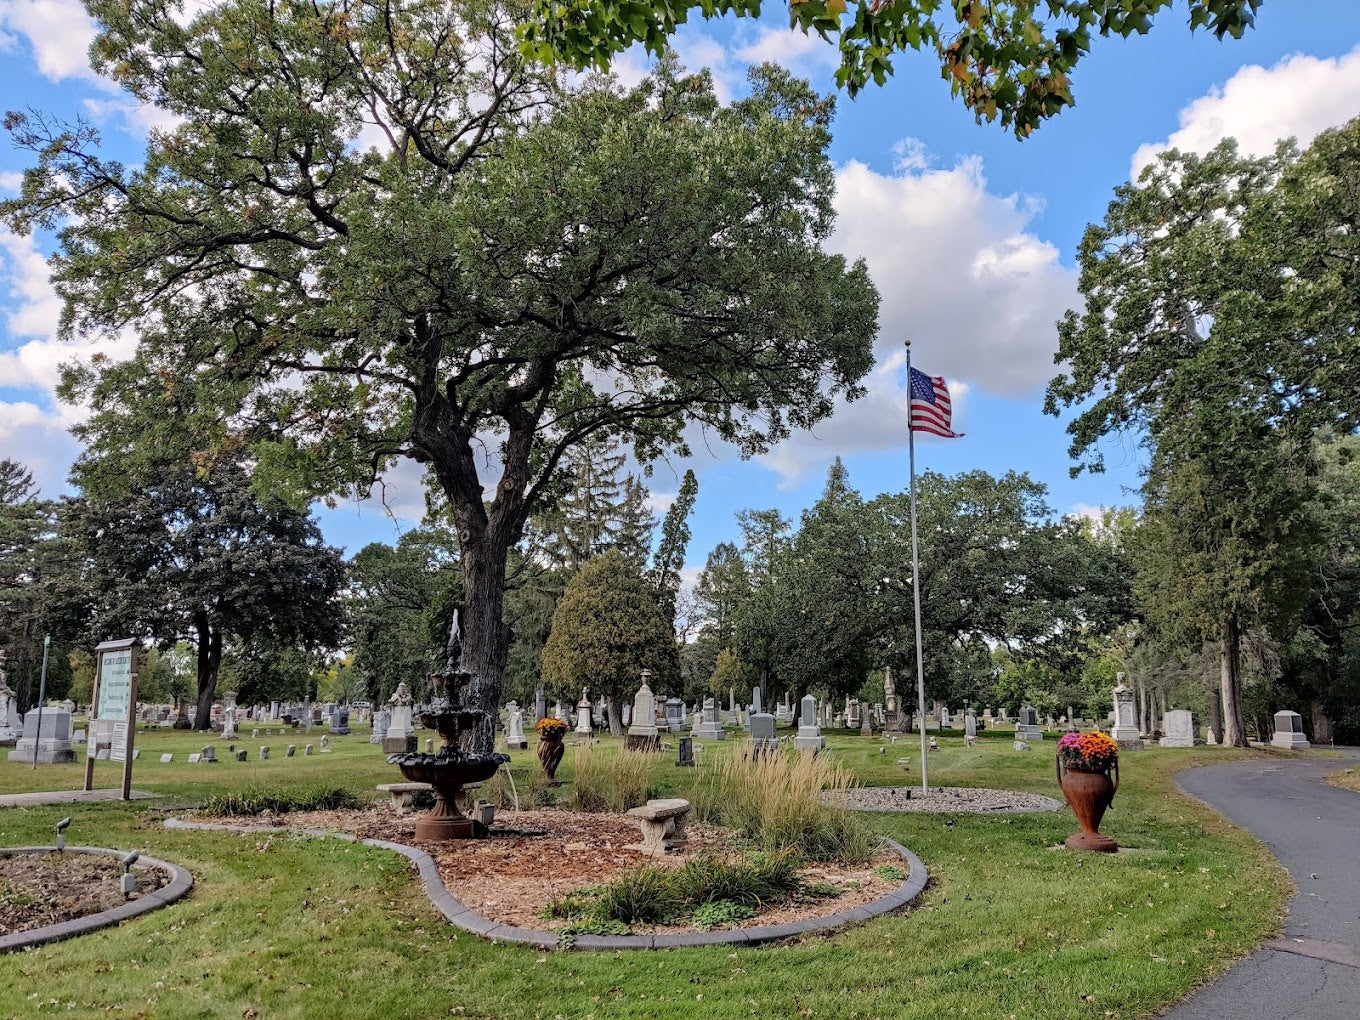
{"x":550,"y":749}
{"x":1088,"y":772}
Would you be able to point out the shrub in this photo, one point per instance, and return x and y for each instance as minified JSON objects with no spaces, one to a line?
{"x":611,"y":781}
{"x":256,"y":801}
{"x":776,"y":801}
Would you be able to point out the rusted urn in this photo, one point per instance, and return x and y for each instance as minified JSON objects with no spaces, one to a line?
{"x":550,"y":753}
{"x":1090,"y":794}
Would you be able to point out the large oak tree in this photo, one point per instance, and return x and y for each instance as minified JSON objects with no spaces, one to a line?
{"x":497,"y":269}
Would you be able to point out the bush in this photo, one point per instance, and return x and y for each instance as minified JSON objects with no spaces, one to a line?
{"x":256,"y":801}
{"x":759,"y":879}
{"x":612,"y":781}
{"x":776,"y":801}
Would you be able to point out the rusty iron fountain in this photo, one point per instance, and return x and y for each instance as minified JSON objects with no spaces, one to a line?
{"x":449,"y":768}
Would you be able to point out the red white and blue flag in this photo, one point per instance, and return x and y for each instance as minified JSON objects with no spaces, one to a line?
{"x":930,"y":406}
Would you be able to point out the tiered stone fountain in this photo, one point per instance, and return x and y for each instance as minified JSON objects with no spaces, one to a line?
{"x":449,"y":768}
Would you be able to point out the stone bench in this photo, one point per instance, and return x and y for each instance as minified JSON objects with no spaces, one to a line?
{"x":403,"y":794}
{"x":663,"y":826}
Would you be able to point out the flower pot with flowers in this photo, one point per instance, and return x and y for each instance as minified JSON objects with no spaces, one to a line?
{"x":1088,"y":772}
{"x":550,"y":749}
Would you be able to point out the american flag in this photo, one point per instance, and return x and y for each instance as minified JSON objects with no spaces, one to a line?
{"x":930,"y":407}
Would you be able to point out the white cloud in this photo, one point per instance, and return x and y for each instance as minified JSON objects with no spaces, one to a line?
{"x":58,"y":31}
{"x":1298,"y":97}
{"x":959,"y":271}
{"x":789,"y":47}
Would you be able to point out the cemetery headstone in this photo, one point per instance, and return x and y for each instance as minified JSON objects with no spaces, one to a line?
{"x":707,"y":725}
{"x":514,"y":729}
{"x":1027,"y":727}
{"x":643,"y":731}
{"x":809,"y":736}
{"x":970,"y":728}
{"x":1125,"y":731}
{"x":429,"y":746}
{"x":229,"y":715}
{"x":53,"y":744}
{"x":382,"y":718}
{"x":762,"y":732}
{"x":325,"y":744}
{"x":1288,"y":731}
{"x":167,"y":758}
{"x":400,"y":737}
{"x":340,"y":722}
{"x":1178,"y":729}
{"x":241,"y":754}
{"x":195,"y":758}
{"x":264,"y":752}
{"x":208,"y":754}
{"x":686,"y":759}
{"x":675,"y":720}
{"x":10,"y":725}
{"x":583,"y":721}
{"x":306,"y":750}
{"x":292,"y":750}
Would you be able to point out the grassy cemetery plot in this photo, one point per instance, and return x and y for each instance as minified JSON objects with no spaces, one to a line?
{"x":291,"y":926}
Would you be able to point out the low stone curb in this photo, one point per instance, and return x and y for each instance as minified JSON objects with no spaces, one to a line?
{"x":180,"y":884}
{"x":461,"y":916}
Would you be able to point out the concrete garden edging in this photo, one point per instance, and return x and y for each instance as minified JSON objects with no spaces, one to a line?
{"x":461,"y":916}
{"x":180,"y":884}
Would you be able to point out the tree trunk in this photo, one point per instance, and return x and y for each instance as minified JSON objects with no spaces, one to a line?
{"x":1230,"y":685}
{"x":209,"y":659}
{"x":1322,"y":725}
{"x":1142,"y":705}
{"x":1216,"y":713}
{"x":485,"y":641}
{"x":614,"y":711}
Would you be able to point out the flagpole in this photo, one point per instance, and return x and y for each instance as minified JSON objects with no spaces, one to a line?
{"x":916,"y":581}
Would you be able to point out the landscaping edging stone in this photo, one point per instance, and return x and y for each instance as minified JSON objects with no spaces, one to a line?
{"x":180,"y":884}
{"x":461,"y":916}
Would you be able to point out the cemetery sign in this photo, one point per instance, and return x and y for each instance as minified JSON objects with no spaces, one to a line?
{"x":115,"y":707}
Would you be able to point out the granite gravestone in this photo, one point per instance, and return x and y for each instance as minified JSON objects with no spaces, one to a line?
{"x":809,"y":736}
{"x":707,"y":725}
{"x":1288,"y":732}
{"x":642,"y":731}
{"x":1178,"y":729}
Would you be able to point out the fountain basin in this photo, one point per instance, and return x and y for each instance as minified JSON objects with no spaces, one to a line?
{"x":447,"y":774}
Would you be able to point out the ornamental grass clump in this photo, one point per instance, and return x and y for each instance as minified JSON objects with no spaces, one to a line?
{"x":1088,"y":752}
{"x":775,"y":800}
{"x":612,"y":781}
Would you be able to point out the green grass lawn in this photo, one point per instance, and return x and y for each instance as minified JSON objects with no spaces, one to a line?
{"x":280,"y":926}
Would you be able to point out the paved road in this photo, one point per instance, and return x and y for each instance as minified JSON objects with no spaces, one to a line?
{"x":1313,"y":972}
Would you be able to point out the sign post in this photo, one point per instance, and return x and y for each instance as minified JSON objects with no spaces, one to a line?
{"x":114,"y":721}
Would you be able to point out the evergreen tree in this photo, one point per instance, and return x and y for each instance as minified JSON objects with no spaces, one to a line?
{"x":607,"y":629}
{"x":675,"y":535}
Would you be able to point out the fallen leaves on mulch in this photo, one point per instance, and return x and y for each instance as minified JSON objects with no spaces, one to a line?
{"x":41,"y":889}
{"x":534,"y":857}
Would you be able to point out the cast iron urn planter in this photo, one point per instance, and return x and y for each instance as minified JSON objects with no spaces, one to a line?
{"x":1089,"y":794}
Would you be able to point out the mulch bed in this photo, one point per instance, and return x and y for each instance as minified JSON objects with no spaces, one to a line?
{"x":37,"y":890}
{"x":533,"y":857}
{"x":966,"y":799}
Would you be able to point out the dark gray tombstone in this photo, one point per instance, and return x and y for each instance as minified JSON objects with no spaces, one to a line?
{"x":686,"y":759}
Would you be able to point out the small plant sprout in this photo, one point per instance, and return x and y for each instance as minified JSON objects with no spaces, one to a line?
{"x":129,"y":880}
{"x":61,"y":829}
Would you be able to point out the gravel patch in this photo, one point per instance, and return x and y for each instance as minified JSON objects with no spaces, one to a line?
{"x":974,"y":800}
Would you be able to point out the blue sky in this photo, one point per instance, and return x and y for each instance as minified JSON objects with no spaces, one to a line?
{"x":969,"y":234}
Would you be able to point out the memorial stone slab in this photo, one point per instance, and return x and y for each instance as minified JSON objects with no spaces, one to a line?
{"x":1178,"y":729}
{"x":1288,"y":732}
